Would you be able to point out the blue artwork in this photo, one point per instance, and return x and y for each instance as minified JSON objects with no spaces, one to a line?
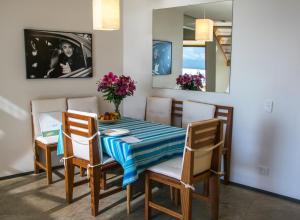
{"x":162,"y":57}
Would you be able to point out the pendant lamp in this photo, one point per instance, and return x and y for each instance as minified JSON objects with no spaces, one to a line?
{"x":204,"y":29}
{"x":106,"y":15}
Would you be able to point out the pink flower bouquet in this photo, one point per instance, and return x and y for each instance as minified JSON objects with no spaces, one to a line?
{"x":190,"y":82}
{"x":116,"y":88}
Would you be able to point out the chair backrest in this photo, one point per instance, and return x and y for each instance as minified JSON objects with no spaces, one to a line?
{"x":79,"y":128}
{"x":203,"y":149}
{"x":87,"y":104}
{"x":224,"y":113}
{"x":159,"y":110}
{"x":196,"y":111}
{"x":45,"y":112}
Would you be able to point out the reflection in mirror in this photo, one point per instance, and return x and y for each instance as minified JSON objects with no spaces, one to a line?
{"x":181,"y":62}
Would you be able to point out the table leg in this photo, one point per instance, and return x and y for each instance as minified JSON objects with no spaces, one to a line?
{"x":128,"y":193}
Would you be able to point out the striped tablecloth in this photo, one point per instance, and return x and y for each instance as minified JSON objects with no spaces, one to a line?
{"x":159,"y":143}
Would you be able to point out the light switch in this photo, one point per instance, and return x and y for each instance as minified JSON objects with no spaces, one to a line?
{"x":268,"y":106}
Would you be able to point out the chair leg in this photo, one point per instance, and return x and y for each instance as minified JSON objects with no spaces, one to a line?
{"x":69,"y":180}
{"x":36,"y":159}
{"x":226,"y":161}
{"x":81,"y":171}
{"x":206,"y":187}
{"x":172,"y":193}
{"x":176,"y":196}
{"x":95,"y":189}
{"x":48,"y":166}
{"x":128,"y":192}
{"x":148,"y":195}
{"x":214,"y":184}
{"x":103,"y":180}
{"x":186,"y":203}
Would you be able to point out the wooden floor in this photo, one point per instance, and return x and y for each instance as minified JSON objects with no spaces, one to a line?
{"x":29,"y":197}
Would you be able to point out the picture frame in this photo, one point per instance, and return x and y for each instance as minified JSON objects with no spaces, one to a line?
{"x":161,"y":57}
{"x":57,"y":54}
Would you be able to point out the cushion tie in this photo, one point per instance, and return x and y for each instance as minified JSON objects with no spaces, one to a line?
{"x":64,"y":159}
{"x":201,"y":149}
{"x":88,"y":169}
{"x":188,"y":186}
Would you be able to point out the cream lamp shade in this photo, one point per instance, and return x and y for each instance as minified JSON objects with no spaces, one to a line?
{"x":106,"y":15}
{"x":204,"y":30}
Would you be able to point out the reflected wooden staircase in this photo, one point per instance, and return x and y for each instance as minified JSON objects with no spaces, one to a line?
{"x":223,"y":35}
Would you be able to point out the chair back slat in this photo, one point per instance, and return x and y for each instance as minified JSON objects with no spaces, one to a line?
{"x":79,"y":133}
{"x":204,"y":143}
{"x":78,"y":125}
{"x":205,"y":133}
{"x":176,"y":114}
{"x":201,"y":156}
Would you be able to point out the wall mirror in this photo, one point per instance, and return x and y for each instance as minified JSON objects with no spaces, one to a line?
{"x":179,"y":61}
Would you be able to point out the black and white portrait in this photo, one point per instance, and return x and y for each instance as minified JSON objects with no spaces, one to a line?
{"x":51,"y":54}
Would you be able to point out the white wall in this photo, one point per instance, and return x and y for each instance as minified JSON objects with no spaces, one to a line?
{"x":265,"y":65}
{"x":222,"y":71}
{"x":16,"y":92}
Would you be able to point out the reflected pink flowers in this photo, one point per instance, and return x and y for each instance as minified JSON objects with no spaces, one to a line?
{"x":190,"y":82}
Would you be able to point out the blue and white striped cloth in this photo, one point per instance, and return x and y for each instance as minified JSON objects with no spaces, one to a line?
{"x":159,"y":143}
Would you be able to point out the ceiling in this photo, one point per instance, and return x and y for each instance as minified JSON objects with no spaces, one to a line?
{"x":217,"y":11}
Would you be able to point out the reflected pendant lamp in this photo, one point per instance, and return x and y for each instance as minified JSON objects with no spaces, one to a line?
{"x":204,"y":30}
{"x":106,"y":15}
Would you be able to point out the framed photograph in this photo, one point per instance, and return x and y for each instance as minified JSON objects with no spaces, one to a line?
{"x":161,"y":57}
{"x":53,"y":54}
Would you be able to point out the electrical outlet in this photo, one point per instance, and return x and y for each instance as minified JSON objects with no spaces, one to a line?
{"x":268,"y":106}
{"x":264,"y":171}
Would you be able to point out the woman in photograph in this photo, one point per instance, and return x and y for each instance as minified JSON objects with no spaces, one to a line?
{"x":38,"y":59}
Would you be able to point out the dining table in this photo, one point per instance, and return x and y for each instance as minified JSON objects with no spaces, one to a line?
{"x":156,"y":143}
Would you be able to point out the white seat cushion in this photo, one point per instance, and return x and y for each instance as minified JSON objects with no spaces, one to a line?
{"x":107,"y":159}
{"x":87,"y":104}
{"x":171,"y":168}
{"x":159,"y":110}
{"x":47,"y":140}
{"x":195,"y":111}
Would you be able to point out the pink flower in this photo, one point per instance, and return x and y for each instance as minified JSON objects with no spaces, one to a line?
{"x":115,"y":88}
{"x":190,"y":82}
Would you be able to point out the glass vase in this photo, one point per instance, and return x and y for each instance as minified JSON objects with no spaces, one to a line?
{"x":117,"y":110}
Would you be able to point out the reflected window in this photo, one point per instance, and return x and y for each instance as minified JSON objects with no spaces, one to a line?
{"x":193,"y":60}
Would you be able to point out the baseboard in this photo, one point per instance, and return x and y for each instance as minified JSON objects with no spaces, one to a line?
{"x":27,"y":173}
{"x":265,"y":192}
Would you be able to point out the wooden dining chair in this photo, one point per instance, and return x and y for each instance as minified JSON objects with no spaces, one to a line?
{"x":158,"y":110}
{"x":191,"y":112}
{"x":46,"y":121}
{"x":86,"y":104}
{"x":225,"y":114}
{"x":201,"y":161}
{"x":82,"y":147}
